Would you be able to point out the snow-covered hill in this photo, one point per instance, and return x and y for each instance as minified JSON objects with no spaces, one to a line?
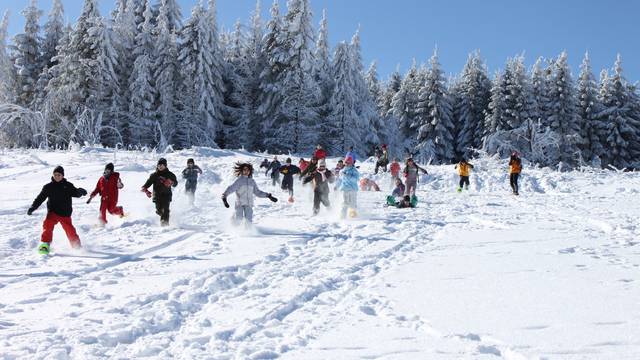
{"x":553,"y":273}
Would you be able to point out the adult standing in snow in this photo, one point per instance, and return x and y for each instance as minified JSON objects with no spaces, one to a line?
{"x":274,"y":167}
{"x":320,"y":178}
{"x":245,"y":188}
{"x":515,"y":168}
{"x":162,"y":181}
{"x":288,"y":170}
{"x":190,"y":174}
{"x":320,"y":153}
{"x":349,"y":177}
{"x":411,"y":170}
{"x":383,"y":159}
{"x":464,"y":168}
{"x":108,"y":187}
{"x":59,"y":208}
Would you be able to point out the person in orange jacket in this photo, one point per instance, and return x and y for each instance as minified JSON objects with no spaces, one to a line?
{"x":107,"y":187}
{"x":515,"y":168}
{"x":464,"y":168}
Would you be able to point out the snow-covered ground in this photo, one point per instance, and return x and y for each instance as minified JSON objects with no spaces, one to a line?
{"x":552,"y":274}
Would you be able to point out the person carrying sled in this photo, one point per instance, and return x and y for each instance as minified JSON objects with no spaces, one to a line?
{"x":190,"y":174}
{"x":383,"y":159}
{"x":411,"y":170}
{"x":108,"y":187}
{"x":320,"y":178}
{"x":464,"y":168}
{"x":162,"y":181}
{"x":274,"y":167}
{"x":515,"y":168}
{"x":58,"y":194}
{"x":288,"y":170}
{"x":245,"y":189}
{"x":349,"y":177}
{"x":394,"y":168}
{"x":319,"y":153}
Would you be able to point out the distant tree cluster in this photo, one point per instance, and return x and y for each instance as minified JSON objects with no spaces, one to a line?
{"x":147,"y":77}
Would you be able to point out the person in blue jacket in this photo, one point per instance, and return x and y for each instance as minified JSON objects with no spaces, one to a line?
{"x":349,"y":177}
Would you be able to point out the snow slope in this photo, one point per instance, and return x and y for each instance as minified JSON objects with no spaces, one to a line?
{"x":478,"y":275}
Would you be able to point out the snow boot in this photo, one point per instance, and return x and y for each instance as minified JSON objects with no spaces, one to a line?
{"x":44,"y":249}
{"x":291,"y":199}
{"x":353,"y":213}
{"x":75,"y":244}
{"x":459,"y":190}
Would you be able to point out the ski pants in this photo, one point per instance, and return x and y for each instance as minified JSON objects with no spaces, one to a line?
{"x":320,"y":197}
{"x":190,"y":186}
{"x":381,"y":164}
{"x":244,"y":212}
{"x":514,"y":181}
{"x":349,"y":200}
{"x":464,"y":180}
{"x":111,"y":208}
{"x":410,"y":186}
{"x":162,"y":209}
{"x":275,"y":179}
{"x":287,"y":184}
{"x":51,"y":220}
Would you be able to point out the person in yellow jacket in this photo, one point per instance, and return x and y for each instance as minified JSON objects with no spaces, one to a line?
{"x":464,"y":168}
{"x":515,"y":168}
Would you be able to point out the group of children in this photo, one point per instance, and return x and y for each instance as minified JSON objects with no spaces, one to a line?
{"x":60,"y":192}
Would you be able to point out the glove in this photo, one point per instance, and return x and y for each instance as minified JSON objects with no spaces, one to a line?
{"x":30,"y":211}
{"x":272,"y":198}
{"x":147,"y":192}
{"x":82,"y":191}
{"x":90,"y":198}
{"x":224,"y":201}
{"x":167,"y":182}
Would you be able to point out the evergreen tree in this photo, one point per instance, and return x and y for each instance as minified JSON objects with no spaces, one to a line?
{"x":591,"y":127}
{"x":404,"y":105}
{"x":255,"y":63}
{"x":622,"y":139}
{"x":540,"y":86}
{"x":369,"y":121}
{"x":474,"y":94}
{"x":236,"y":113}
{"x":343,"y":118}
{"x":7,"y":77}
{"x":563,"y":114}
{"x":26,"y":56}
{"x":434,"y":117}
{"x":53,"y":32}
{"x":172,"y":14}
{"x":323,"y":73}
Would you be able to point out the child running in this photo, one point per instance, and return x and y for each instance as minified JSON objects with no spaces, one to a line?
{"x":349,"y":186}
{"x":245,"y":188}
{"x":464,"y":168}
{"x":162,"y":181}
{"x":108,"y":187}
{"x":190,"y":174}
{"x":59,"y":193}
{"x":321,"y":178}
{"x":288,"y":171}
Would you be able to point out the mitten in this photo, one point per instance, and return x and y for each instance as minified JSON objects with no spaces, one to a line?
{"x":89,"y":200}
{"x":30,"y":211}
{"x":167,"y":182}
{"x":272,"y":198}
{"x":147,"y":192}
{"x":82,"y":191}
{"x":224,"y":200}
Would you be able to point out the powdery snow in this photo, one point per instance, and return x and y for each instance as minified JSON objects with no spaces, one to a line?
{"x":552,"y":273}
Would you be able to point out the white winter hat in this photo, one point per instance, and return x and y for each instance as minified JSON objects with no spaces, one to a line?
{"x":321,"y":163}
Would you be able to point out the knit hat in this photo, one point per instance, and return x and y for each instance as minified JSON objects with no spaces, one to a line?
{"x":162,"y":161}
{"x":322,"y":163}
{"x":348,"y":160}
{"x":190,"y":161}
{"x":109,"y":166}
{"x":59,"y":169}
{"x":288,"y":161}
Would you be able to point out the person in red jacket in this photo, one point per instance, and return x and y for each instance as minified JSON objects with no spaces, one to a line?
{"x":107,"y":187}
{"x":320,"y":153}
{"x":395,"y":169}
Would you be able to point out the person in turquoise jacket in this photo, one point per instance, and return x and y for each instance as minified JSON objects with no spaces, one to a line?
{"x":349,"y":177}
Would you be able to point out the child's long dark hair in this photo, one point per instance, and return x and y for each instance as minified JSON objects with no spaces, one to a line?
{"x":237,"y":169}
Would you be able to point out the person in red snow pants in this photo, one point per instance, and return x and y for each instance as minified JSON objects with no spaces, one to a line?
{"x":50,"y":222}
{"x":108,"y":186}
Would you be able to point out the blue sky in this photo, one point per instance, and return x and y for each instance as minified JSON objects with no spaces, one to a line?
{"x":396,"y":31}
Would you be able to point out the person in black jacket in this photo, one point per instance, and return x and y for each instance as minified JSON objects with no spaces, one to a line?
{"x":190,"y":174}
{"x":321,"y":178}
{"x":162,"y":180}
{"x":59,"y":193}
{"x":288,"y":171}
{"x":274,"y":167}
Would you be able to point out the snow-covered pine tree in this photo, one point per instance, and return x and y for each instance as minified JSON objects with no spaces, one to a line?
{"x":403,"y":107}
{"x":473,"y":103}
{"x":173,"y":14}
{"x":143,"y":127}
{"x":563,"y":113}
{"x":434,"y":115}
{"x":368,"y":118}
{"x":622,"y":140}
{"x":322,"y":74}
{"x":389,"y":123}
{"x":235,"y":113}
{"x":343,"y":118}
{"x":295,"y":125}
{"x":53,"y":32}
{"x":166,"y":72}
{"x":26,"y":56}
{"x":589,"y":107}
{"x":540,"y":84}
{"x":7,"y":77}
{"x":201,"y":61}
{"x":373,"y":85}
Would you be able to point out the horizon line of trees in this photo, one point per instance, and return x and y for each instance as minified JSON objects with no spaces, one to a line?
{"x":145,"y":76}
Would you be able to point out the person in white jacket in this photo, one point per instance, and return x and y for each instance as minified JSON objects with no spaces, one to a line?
{"x":245,"y":188}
